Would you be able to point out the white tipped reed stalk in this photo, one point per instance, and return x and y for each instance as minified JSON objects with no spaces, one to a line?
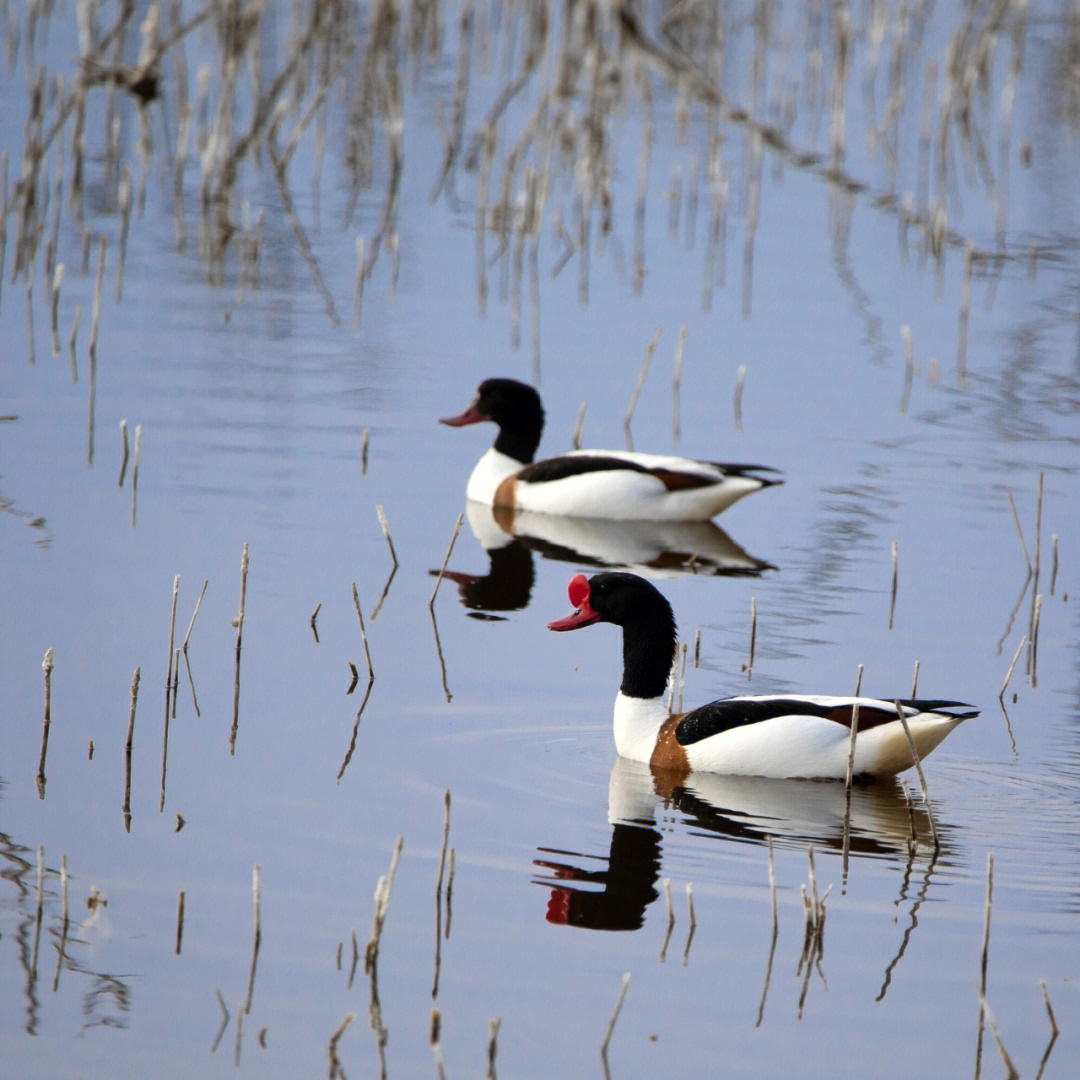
{"x":135,"y":474}
{"x":386,"y":534}
{"x":256,"y":941}
{"x":676,"y":384}
{"x":670,"y":919}
{"x":124,"y":453}
{"x":575,"y":440}
{"x":614,"y":1016}
{"x":382,"y":903}
{"x":740,"y":382}
{"x":649,"y":350}
{"x":54,"y":307}
{"x":692,"y":918}
{"x":895,"y":581}
{"x":47,"y":669}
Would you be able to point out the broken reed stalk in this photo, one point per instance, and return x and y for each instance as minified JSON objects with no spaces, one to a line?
{"x":670,"y":919}
{"x":128,"y":745}
{"x":367,"y":691}
{"x":676,"y":384}
{"x":895,"y":580}
{"x":614,"y":1016}
{"x":575,"y":439}
{"x":692,"y":917}
{"x":238,"y":622}
{"x":256,"y":940}
{"x":123,"y":453}
{"x":1054,"y":1031}
{"x":47,"y":669}
{"x":94,"y":322}
{"x":335,"y":1062}
{"x":1008,"y":674}
{"x":224,"y":1021}
{"x":921,"y":775}
{"x":649,"y":350}
{"x":179,"y":922}
{"x":135,"y":473}
{"x":382,"y":903}
{"x":446,"y":559}
{"x":849,"y":775}
{"x":740,"y":381}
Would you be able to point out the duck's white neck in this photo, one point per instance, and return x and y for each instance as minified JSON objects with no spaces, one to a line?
{"x":637,"y":724}
{"x":491,"y":470}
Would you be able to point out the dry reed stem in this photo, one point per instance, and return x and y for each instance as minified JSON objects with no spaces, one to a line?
{"x":365,"y":440}
{"x":614,"y":1017}
{"x":849,"y":775}
{"x":493,"y":1034}
{"x":921,"y":775}
{"x":697,"y":647}
{"x":367,"y":691}
{"x":224,"y":1021}
{"x":909,"y":366}
{"x":446,"y":559}
{"x":382,"y":903}
{"x":123,"y":453}
{"x":198,"y":604}
{"x":335,"y":1062}
{"x":256,"y":937}
{"x":775,"y":932}
{"x":649,"y":350}
{"x":127,"y":747}
{"x":1053,"y":562}
{"x":47,"y":669}
{"x":179,"y":922}
{"x":1019,"y":530}
{"x":692,"y":918}
{"x":238,"y":622}
{"x":94,"y":322}
{"x":54,"y":307}
{"x":1054,"y":1031}
{"x":915,"y":680}
{"x":670,"y":919}
{"x":753,"y":638}
{"x":39,"y":909}
{"x":72,"y":338}
{"x":575,"y":439}
{"x":1008,"y":674}
{"x":895,"y":581}
{"x":676,"y":384}
{"x":312,"y":622}
{"x":135,"y":473}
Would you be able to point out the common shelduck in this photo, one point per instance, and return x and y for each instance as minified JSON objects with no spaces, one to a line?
{"x":609,"y":484}
{"x":777,"y":735}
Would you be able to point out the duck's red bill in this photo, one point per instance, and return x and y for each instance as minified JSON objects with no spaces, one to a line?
{"x":583,"y":614}
{"x":472,"y":415}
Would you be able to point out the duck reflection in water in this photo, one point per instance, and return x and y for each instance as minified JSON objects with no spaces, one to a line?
{"x":613,"y":891}
{"x":653,"y":548}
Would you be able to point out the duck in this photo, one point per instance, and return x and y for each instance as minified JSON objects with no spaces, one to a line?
{"x":783,"y":736}
{"x":601,"y":484}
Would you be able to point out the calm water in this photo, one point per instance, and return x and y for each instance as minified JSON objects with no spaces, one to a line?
{"x":253,"y":406}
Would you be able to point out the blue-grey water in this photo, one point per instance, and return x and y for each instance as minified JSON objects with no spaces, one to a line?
{"x":255,"y":409}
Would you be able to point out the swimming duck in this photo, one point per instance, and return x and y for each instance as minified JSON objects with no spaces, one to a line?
{"x":776,"y":735}
{"x":609,"y":484}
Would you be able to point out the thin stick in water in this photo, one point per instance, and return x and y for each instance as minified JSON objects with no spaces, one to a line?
{"x":919,"y":773}
{"x":915,"y":680}
{"x":575,"y":440}
{"x":54,"y":307}
{"x":179,"y":922}
{"x":1019,"y":529}
{"x":312,"y":622}
{"x":1054,"y":1031}
{"x":94,"y":322}
{"x":740,"y":381}
{"x":775,"y":931}
{"x":614,"y":1016}
{"x":895,"y":579}
{"x":47,"y":669}
{"x":335,"y":1062}
{"x":670,"y":919}
{"x":649,"y":350}
{"x":256,"y":939}
{"x":749,"y":666}
{"x":127,"y":747}
{"x":238,"y":622}
{"x":676,"y":384}
{"x":693,"y":923}
{"x":493,"y":1034}
{"x":1008,"y":674}
{"x":446,"y":559}
{"x":365,"y":440}
{"x":849,"y":776}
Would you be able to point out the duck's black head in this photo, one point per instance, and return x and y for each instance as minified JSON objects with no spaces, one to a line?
{"x":515,"y":407}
